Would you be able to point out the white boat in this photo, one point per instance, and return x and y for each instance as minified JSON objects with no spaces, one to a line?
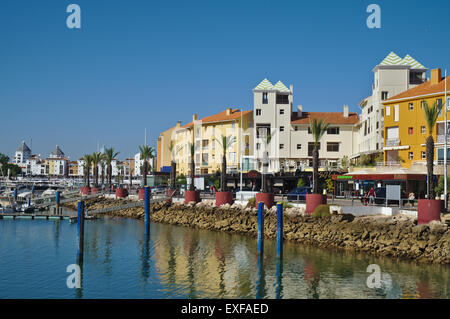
{"x":49,"y":191}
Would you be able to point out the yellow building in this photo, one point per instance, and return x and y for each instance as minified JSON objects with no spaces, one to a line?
{"x":405,"y":129}
{"x":207,"y":135}
{"x":163,"y":153}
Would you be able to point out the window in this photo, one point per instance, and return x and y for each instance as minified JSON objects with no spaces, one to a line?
{"x":282,"y":99}
{"x":424,"y":155}
{"x":422,"y":128}
{"x":265,"y":100}
{"x":232,"y":157}
{"x":333,"y":130}
{"x":439,"y":106}
{"x":213,"y":144}
{"x":411,"y":155}
{"x":378,"y":125}
{"x":281,"y":146}
{"x":384,"y":95}
{"x":281,"y":111}
{"x":396,"y":113}
{"x":281,"y":128}
{"x":299,"y":146}
{"x":258,"y":146}
{"x":411,"y":106}
{"x":309,"y":130}
{"x":388,"y":110}
{"x":258,"y":112}
{"x":410,"y":130}
{"x":295,"y":128}
{"x":332,"y":147}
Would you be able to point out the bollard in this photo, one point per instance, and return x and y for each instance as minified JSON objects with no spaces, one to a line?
{"x":260,"y":228}
{"x":80,"y":230}
{"x":147,"y":209}
{"x":29,"y":201}
{"x":279,"y":230}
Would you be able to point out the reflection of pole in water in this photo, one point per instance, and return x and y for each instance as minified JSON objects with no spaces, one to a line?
{"x":145,"y":257}
{"x":279,"y":279}
{"x":260,"y":280}
{"x":218,"y":252}
{"x":312,"y":277}
{"x":147,"y":209}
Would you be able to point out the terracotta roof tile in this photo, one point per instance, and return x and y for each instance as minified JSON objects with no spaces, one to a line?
{"x":424,"y":89}
{"x":221,"y":117}
{"x":328,"y":117}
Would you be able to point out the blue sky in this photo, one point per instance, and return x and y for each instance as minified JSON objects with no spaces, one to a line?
{"x":146,"y":64}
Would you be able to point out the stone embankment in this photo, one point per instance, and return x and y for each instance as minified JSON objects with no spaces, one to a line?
{"x":397,"y":237}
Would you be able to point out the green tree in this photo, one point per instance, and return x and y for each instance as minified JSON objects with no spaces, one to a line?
{"x":87,"y":168}
{"x":431,"y":114}
{"x":300,"y":183}
{"x":110,"y":155}
{"x":318,"y":129}
{"x":439,"y":189}
{"x":226,"y":143}
{"x":147,"y":153}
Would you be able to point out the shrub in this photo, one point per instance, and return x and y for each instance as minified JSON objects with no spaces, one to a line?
{"x":286,"y":204}
{"x":321,"y":211}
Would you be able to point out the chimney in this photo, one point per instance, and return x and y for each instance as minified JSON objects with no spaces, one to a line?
{"x":435,"y":76}
{"x":228,"y":112}
{"x":291,"y":87}
{"x":194,"y":117}
{"x":299,"y":110}
{"x":345,"y":110}
{"x":178,"y":123}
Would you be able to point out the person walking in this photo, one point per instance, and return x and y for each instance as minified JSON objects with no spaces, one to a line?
{"x":411,"y":198}
{"x":372,"y":196}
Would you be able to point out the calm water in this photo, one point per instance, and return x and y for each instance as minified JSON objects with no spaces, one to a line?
{"x":177,"y":262}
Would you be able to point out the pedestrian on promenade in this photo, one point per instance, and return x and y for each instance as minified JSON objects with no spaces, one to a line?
{"x":372,"y":196}
{"x":411,"y":198}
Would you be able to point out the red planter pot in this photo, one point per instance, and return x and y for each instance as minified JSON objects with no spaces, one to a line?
{"x":314,"y":200}
{"x":266,"y":198}
{"x":85,"y":190}
{"x":95,"y":190}
{"x":121,"y":192}
{"x":191,"y":196}
{"x":141,"y":193}
{"x":223,"y":198}
{"x":428,"y":210}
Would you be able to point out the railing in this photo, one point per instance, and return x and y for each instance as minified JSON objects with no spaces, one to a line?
{"x":392,"y":142}
{"x":440,"y":138}
{"x":389,"y":163}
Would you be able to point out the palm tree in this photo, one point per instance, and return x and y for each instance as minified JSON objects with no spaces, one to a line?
{"x":318,"y":128}
{"x":173,"y":172}
{"x":226,"y":143}
{"x":147,"y":152}
{"x":87,"y":168}
{"x":431,"y":114}
{"x":102,"y":165}
{"x":96,"y":158}
{"x":110,"y":154}
{"x":119,"y":172}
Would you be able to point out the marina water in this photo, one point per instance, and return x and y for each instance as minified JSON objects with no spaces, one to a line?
{"x":179,"y":262}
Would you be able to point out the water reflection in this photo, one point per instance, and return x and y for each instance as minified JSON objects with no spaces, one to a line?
{"x":177,"y":262}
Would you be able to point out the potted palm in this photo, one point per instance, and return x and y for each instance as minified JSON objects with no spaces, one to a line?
{"x":318,"y":129}
{"x":265,"y":196}
{"x":147,"y":152}
{"x":429,"y":209}
{"x":86,"y":189}
{"x":96,"y":158}
{"x":223,"y":196}
{"x":192,"y":195}
{"x":110,"y":154}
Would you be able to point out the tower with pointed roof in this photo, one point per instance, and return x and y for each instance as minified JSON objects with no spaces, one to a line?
{"x":23,"y":153}
{"x":272,"y":115}
{"x":392,"y":76}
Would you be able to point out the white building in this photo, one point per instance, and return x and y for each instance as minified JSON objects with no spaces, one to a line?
{"x":36,"y":166}
{"x":23,"y":153}
{"x":392,"y":76}
{"x":291,"y":143}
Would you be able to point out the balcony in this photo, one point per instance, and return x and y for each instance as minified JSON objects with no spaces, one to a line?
{"x":392,"y":142}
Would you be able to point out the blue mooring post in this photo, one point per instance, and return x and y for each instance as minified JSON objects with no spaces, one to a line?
{"x":29,"y":201}
{"x":15,"y":194}
{"x":147,"y":209}
{"x":57,"y":197}
{"x":80,"y":230}
{"x":260,"y":228}
{"x":279,"y":230}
